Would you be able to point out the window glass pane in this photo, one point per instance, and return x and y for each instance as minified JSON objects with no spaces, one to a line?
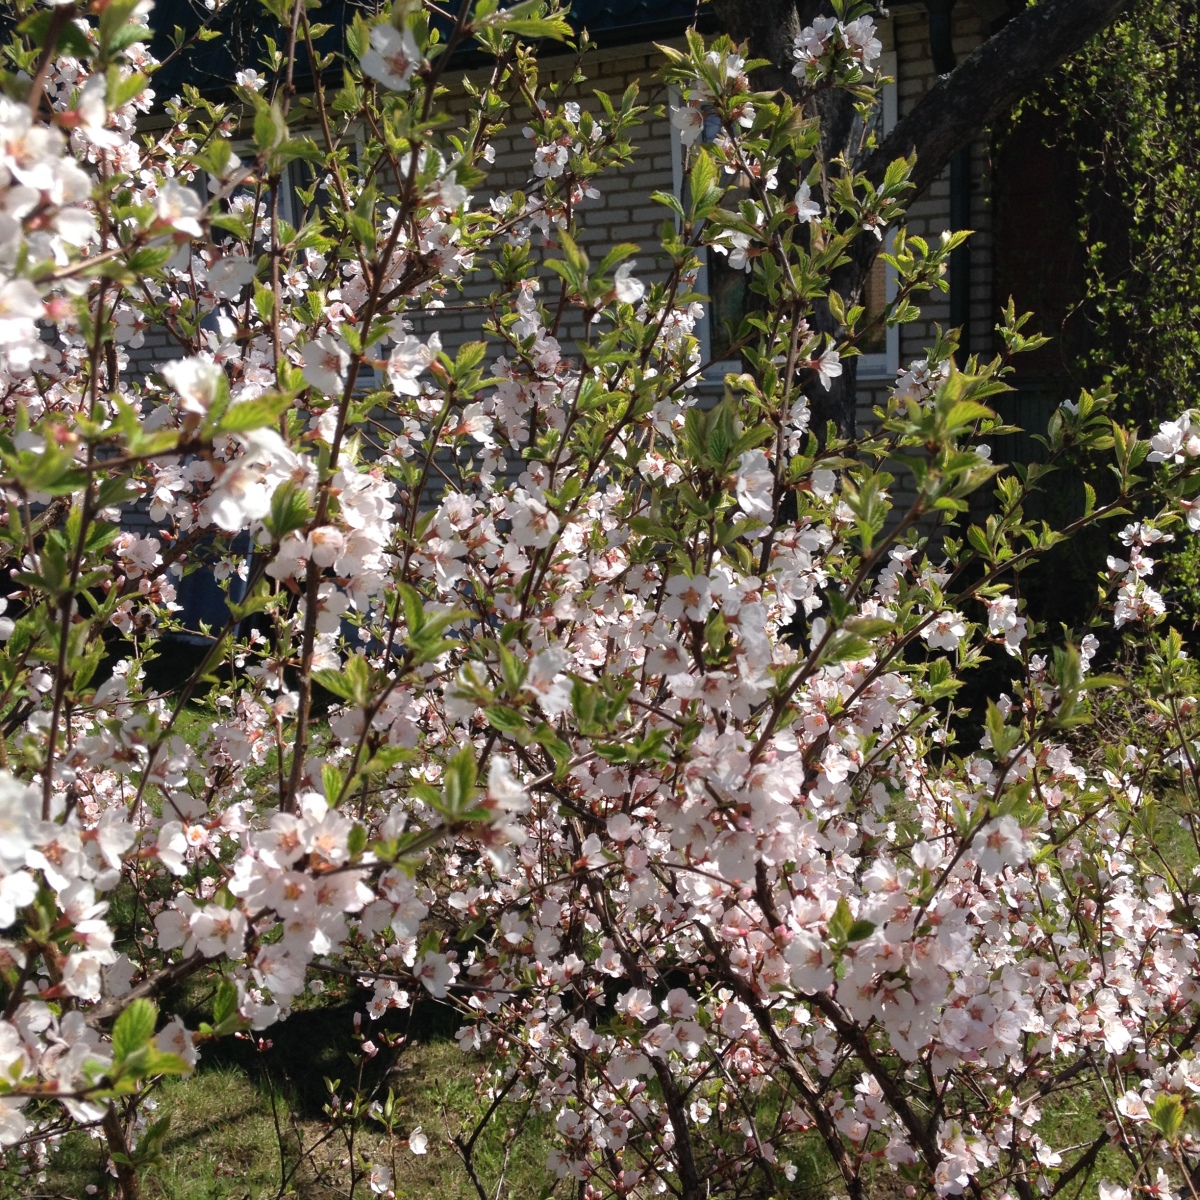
{"x":874,"y":300}
{"x":729,"y":289}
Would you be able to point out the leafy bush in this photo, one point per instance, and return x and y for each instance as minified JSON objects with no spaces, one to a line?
{"x":669,"y":794}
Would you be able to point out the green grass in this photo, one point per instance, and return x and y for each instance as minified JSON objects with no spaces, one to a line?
{"x":249,"y":1127}
{"x":220,"y":1144}
{"x":223,"y":1143}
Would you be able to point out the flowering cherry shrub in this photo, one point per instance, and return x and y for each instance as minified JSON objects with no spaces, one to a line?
{"x":640,"y":734}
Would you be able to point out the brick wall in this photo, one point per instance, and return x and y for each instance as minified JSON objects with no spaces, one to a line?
{"x":907,"y":32}
{"x":929,"y":215}
{"x":625,"y":213}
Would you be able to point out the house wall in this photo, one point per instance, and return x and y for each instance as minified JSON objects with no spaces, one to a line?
{"x":907,"y":33}
{"x":624,"y":211}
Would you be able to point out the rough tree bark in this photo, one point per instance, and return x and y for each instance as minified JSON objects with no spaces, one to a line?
{"x":984,"y":86}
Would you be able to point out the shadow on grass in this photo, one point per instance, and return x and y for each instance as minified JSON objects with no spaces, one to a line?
{"x":316,"y":1044}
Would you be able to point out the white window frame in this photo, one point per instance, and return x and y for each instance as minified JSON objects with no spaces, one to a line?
{"x":882,"y":365}
{"x":703,"y":330}
{"x":885,"y":364}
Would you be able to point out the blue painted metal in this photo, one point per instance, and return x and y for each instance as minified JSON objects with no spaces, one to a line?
{"x":211,"y":65}
{"x":202,"y":599}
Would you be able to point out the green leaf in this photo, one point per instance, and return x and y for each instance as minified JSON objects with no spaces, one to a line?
{"x":332,"y":781}
{"x":458,"y":793}
{"x":1166,"y":1115}
{"x":225,"y":1003}
{"x":469,"y":356}
{"x":157,"y":1062}
{"x":844,"y":646}
{"x":1003,"y":739}
{"x":133,"y":1029}
{"x":414,"y":608}
{"x":150,"y":1144}
{"x":290,"y":509}
{"x":253,"y":414}
{"x":335,"y":682}
{"x":357,"y":673}
{"x":702,"y":184}
{"x":270,"y":129}
{"x":964,"y":413}
{"x":842,"y":922}
{"x":70,"y":37}
{"x":575,"y":256}
{"x":504,"y":720}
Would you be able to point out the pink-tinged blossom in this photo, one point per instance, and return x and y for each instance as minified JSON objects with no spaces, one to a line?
{"x":20,"y":307}
{"x":921,"y":379}
{"x":197,"y":380}
{"x":828,"y":366}
{"x":175,"y":1038}
{"x":506,"y":797}
{"x":408,"y":360}
{"x":811,"y":42}
{"x":172,"y":847}
{"x":179,"y":207}
{"x":945,"y":631}
{"x":16,"y":890}
{"x":533,"y":524}
{"x":81,"y":973}
{"x":242,"y":492}
{"x":637,"y":1004}
{"x":436,"y":972}
{"x":1000,"y":844}
{"x":229,"y":275}
{"x":735,"y":245}
{"x":20,"y":811}
{"x":807,"y":209}
{"x":860,"y":36}
{"x":629,"y":290}
{"x":1176,"y":441}
{"x":689,"y":120}
{"x":688,"y":596}
{"x":218,"y":930}
{"x":1004,"y":621}
{"x":325,"y":363}
{"x":756,"y":485}
{"x":679,"y":1004}
{"x":1132,"y":1107}
{"x":13,"y":1122}
{"x":250,"y":79}
{"x":393,"y":57}
{"x":736,"y":1020}
{"x":811,"y":962}
{"x":550,"y":161}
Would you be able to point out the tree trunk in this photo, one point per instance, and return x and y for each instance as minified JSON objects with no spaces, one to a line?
{"x":984,"y":86}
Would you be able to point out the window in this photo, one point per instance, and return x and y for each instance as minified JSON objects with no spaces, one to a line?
{"x":728,"y":288}
{"x":881,"y":351}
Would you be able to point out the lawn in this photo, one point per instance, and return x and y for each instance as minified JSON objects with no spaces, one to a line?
{"x":249,"y":1132}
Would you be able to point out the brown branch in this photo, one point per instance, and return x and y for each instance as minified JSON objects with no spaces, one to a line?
{"x":150,"y":988}
{"x":986,"y":84}
{"x":118,"y":1147}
